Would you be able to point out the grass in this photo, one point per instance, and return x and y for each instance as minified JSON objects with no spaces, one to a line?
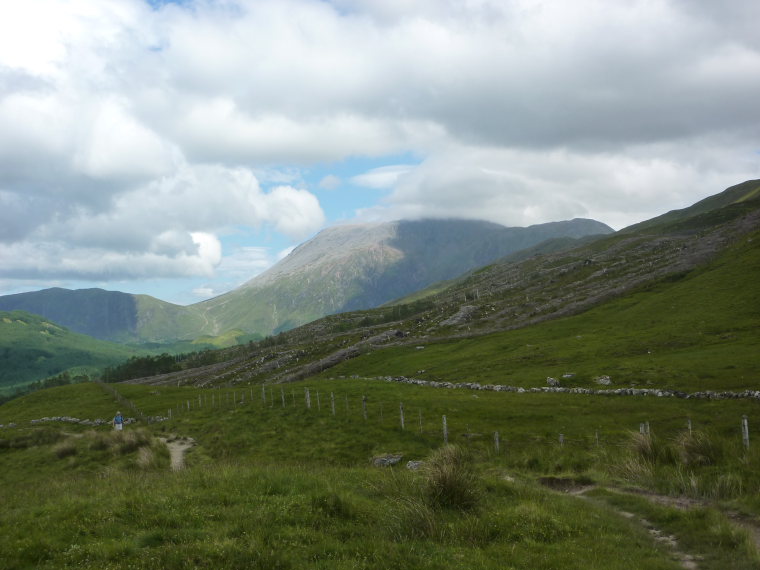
{"x":287,"y":487}
{"x":698,"y":332}
{"x":273,"y":484}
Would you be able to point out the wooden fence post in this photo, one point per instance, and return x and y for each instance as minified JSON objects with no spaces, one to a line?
{"x":445,"y":431}
{"x":308,"y":398}
{"x":401,"y":412}
{"x":745,"y":432}
{"x":282,"y":395}
{"x":332,"y":402}
{"x":562,"y":440}
{"x":364,"y":407}
{"x":496,"y":442}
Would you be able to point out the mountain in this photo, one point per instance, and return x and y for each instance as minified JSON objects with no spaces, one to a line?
{"x":354,"y":267}
{"x":33,"y":347}
{"x":672,"y":302}
{"x":343,"y":268}
{"x":107,"y":315}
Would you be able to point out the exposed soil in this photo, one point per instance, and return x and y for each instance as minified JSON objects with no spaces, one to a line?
{"x":177,"y":448}
{"x":578,"y":487}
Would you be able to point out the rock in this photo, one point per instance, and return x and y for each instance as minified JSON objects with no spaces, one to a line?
{"x":414,"y":465}
{"x":386,"y":460}
{"x":568,"y":375}
{"x":552,"y":381}
{"x":603,"y":380}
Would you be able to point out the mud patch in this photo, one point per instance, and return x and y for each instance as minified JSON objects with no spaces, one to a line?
{"x":571,"y":485}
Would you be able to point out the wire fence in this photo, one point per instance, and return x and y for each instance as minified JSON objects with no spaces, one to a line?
{"x":442,"y":427}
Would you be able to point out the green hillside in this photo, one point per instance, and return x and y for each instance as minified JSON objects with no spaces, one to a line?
{"x":273,"y":486}
{"x":32,"y":348}
{"x":110,"y":315}
{"x":694,"y":331}
{"x":287,"y":432}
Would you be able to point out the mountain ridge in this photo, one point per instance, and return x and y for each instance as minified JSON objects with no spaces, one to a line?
{"x":345,"y":267}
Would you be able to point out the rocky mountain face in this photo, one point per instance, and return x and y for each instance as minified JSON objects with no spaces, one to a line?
{"x":355,"y":267}
{"x":520,"y":291}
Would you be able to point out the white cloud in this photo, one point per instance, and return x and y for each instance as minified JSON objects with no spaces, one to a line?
{"x":383,"y":176}
{"x":127,"y":132}
{"x":519,"y":187}
{"x":330,"y":182}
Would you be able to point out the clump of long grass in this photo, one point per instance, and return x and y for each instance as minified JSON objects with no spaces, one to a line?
{"x":450,"y":480}
{"x":412,"y":518}
{"x":650,"y":448}
{"x":65,"y":448}
{"x":698,"y":448}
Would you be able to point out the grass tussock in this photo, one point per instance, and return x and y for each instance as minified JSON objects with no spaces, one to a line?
{"x":697,"y":448}
{"x":450,"y":480}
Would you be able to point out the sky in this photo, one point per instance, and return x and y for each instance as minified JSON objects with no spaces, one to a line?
{"x":179,"y":148}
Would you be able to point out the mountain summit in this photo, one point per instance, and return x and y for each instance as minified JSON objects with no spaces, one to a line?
{"x":343,"y":268}
{"x":360,"y":266}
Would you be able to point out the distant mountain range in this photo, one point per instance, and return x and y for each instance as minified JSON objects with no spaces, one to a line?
{"x":32,"y":348}
{"x":343,"y":268}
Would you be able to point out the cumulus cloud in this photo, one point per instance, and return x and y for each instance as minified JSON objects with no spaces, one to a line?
{"x":133,"y":134}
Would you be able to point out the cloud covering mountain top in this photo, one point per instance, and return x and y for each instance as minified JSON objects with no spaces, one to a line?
{"x":136,"y":137}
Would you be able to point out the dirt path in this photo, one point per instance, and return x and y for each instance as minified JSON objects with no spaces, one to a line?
{"x":177,"y":447}
{"x":687,"y":561}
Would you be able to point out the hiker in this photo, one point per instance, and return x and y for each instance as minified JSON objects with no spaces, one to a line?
{"x":118,"y":422}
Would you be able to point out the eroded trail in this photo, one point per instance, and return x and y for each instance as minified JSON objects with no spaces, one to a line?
{"x":686,"y":560}
{"x":178,"y":446}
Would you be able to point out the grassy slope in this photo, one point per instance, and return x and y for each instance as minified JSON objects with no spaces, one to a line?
{"x":692,"y":332}
{"x":274,"y":487}
{"x":32,"y":348}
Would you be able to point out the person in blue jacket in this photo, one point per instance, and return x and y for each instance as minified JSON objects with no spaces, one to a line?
{"x":118,"y":422}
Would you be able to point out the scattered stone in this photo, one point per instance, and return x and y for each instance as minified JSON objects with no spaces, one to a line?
{"x":552,"y":381}
{"x":414,"y":465}
{"x":386,"y":460}
{"x":568,"y":375}
{"x":603,"y":380}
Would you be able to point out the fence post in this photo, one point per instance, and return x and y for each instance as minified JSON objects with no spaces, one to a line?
{"x":319,"y":402}
{"x":364,"y":407}
{"x":308,"y":398}
{"x":401,"y":411}
{"x":745,"y":432}
{"x":596,"y":434}
{"x":188,"y":404}
{"x":332,"y":402}
{"x":496,"y":442}
{"x":562,"y":440}
{"x":282,"y":395}
{"x":263,"y":393}
{"x":445,"y":431}
{"x":420,"y":421}
{"x":688,"y":424}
